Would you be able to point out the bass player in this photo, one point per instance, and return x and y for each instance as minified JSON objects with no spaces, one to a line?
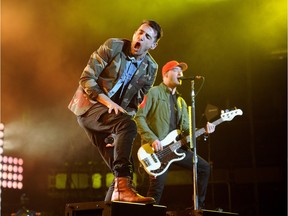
{"x":162,"y":111}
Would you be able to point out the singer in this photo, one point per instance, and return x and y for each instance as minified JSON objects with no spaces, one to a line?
{"x":162,"y":111}
{"x":111,"y":87}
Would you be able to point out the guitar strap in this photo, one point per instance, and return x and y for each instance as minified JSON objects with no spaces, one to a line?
{"x":174,"y":112}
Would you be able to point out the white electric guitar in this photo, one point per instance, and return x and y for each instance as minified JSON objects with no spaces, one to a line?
{"x":156,"y":163}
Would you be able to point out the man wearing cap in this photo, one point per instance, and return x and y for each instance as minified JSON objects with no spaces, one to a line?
{"x":162,"y":111}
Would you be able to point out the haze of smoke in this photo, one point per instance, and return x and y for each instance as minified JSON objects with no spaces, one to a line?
{"x":50,"y":134}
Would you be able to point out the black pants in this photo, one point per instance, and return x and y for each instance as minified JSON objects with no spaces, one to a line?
{"x":156,"y":185}
{"x":98,"y":124}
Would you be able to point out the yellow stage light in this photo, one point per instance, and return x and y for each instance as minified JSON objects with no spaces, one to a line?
{"x":96,"y":180}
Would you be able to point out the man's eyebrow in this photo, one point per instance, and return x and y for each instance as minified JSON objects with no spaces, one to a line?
{"x":150,"y":36}
{"x":147,"y":34}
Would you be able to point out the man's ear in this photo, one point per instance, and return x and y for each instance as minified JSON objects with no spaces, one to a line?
{"x":154,"y":45}
{"x":166,"y":74}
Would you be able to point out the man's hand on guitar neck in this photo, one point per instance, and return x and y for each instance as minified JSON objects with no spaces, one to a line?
{"x":157,"y":146}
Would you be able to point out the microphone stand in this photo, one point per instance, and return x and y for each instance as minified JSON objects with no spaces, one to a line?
{"x":193,"y":145}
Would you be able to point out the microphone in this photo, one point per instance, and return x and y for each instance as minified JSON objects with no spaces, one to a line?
{"x":191,"y":78}
{"x":109,"y":140}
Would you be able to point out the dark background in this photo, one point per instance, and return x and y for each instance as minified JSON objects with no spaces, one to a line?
{"x":239,"y":46}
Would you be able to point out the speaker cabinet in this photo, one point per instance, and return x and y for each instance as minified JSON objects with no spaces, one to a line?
{"x":88,"y":209}
{"x":200,"y":213}
{"x":114,"y":209}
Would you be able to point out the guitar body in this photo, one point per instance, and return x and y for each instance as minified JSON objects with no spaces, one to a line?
{"x":156,"y":163}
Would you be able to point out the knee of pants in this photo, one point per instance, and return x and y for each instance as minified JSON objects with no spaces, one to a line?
{"x":129,"y":125}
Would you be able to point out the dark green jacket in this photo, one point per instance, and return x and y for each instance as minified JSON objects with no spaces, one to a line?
{"x":153,"y":115}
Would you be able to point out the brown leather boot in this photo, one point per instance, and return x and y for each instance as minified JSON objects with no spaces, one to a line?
{"x":123,"y":191}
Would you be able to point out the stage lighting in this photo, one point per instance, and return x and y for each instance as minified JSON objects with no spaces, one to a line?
{"x":79,"y":181}
{"x":96,"y":180}
{"x":1,"y":137}
{"x":60,"y":180}
{"x":64,"y":181}
{"x":11,"y":172}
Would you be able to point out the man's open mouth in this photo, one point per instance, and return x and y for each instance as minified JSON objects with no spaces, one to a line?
{"x":137,"y":46}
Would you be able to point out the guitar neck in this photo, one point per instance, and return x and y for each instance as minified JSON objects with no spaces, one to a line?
{"x":203,"y":130}
{"x":175,"y":145}
{"x":224,"y":117}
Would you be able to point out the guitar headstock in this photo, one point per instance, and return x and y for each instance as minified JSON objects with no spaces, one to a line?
{"x":229,"y":115}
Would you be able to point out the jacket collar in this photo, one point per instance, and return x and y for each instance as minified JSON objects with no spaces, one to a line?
{"x":167,"y":90}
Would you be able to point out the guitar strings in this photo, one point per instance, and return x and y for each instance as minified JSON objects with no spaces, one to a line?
{"x":166,"y":151}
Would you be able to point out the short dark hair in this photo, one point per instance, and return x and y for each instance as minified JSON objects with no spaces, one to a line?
{"x":153,"y":24}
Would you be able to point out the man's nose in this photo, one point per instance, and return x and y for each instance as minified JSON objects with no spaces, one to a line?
{"x":142,"y":36}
